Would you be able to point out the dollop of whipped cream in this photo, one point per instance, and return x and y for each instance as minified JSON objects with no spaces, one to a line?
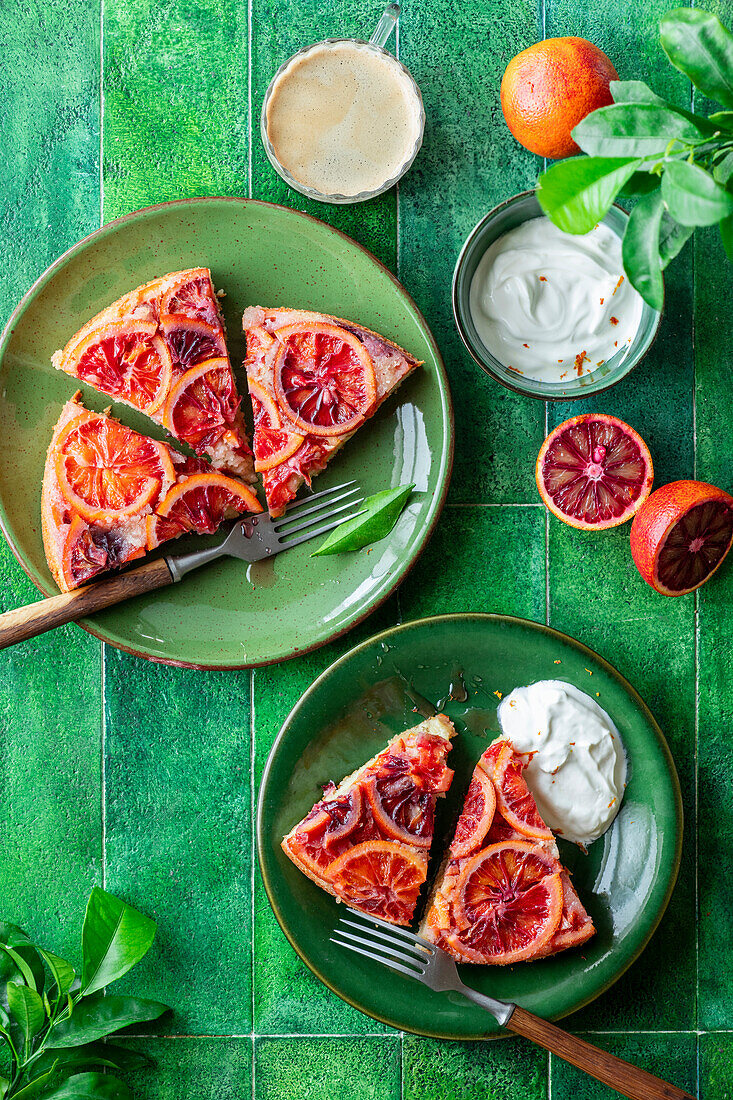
{"x":554,"y":305}
{"x":577,"y":771}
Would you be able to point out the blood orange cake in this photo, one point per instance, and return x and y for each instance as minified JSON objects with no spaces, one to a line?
{"x":367,"y":840}
{"x":110,"y":495}
{"x":502,"y":895}
{"x":161,"y":348}
{"x":313,"y":380}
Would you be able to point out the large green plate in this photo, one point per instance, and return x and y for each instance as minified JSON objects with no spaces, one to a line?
{"x":228,"y":616}
{"x":625,"y":880}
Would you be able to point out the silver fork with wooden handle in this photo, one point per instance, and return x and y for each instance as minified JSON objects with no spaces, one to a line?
{"x":414,"y":957}
{"x":253,"y":538}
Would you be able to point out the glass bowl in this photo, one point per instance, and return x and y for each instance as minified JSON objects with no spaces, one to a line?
{"x":508,"y":215}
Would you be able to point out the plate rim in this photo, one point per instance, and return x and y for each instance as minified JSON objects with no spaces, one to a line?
{"x":461,"y":617}
{"x":447,"y":454}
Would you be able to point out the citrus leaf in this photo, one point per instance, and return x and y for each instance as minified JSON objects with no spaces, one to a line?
{"x":97,"y":1016}
{"x":692,"y":196}
{"x":576,"y":193}
{"x":380,"y":514}
{"x":36,"y":1086}
{"x":698,"y":44}
{"x":640,"y":249}
{"x":634,"y":130}
{"x":114,"y":938}
{"x":722,"y":119}
{"x":26,"y":1008}
{"x":4,"y":1084}
{"x":633,"y":91}
{"x":672,"y":238}
{"x":641,"y":183}
{"x":726,"y":233}
{"x":92,"y":1054}
{"x":62,"y":971}
{"x":723,"y":170}
{"x":25,"y":969}
{"x":90,"y":1086}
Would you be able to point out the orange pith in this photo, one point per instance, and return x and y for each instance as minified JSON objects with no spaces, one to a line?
{"x":127,"y":360}
{"x":272,"y":444}
{"x":549,"y":88}
{"x":199,"y":504}
{"x":380,"y":877}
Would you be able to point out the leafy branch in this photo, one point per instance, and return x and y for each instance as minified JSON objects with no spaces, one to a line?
{"x":52,"y":1020}
{"x":679,"y":165}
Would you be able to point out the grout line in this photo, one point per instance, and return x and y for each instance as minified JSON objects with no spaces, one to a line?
{"x":538,"y":504}
{"x":696,"y":652}
{"x":249,"y":105}
{"x":392,"y":1034}
{"x":103,"y":766}
{"x":252,"y":859}
{"x":398,"y":235}
{"x":101,"y":113}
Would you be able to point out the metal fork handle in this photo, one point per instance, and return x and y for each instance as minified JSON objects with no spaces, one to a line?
{"x":501,"y":1010}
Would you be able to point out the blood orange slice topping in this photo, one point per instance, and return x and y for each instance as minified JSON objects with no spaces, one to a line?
{"x":126,"y":360}
{"x":191,"y":296}
{"x":380,"y":877}
{"x":191,"y":342}
{"x":272,"y":444}
{"x":202,"y":404}
{"x":332,"y":826}
{"x":199,"y":504}
{"x":594,"y":471}
{"x":91,"y":550}
{"x":515,"y":803}
{"x":324,"y":378}
{"x":476,"y":816}
{"x":107,"y":471}
{"x":509,"y":900}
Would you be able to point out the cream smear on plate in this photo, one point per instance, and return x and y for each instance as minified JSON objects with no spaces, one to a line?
{"x":551,"y":305}
{"x":343,"y":118}
{"x":577,"y":772}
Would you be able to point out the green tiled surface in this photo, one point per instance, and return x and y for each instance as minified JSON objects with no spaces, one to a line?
{"x":142,"y":777}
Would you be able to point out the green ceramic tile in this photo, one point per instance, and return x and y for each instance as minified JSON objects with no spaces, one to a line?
{"x":503,"y":1069}
{"x":178,"y":833}
{"x":599,"y":598}
{"x":279,"y":30}
{"x":337,"y":1069}
{"x":716,"y":1067}
{"x":713,"y":350}
{"x":208,"y":1069}
{"x":175,"y":101}
{"x":671,"y":1057}
{"x":481,"y":559}
{"x":469,"y":162}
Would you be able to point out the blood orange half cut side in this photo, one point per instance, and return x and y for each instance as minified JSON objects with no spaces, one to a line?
{"x":594,"y":471}
{"x":199,"y":504}
{"x":476,"y":816}
{"x":380,"y":877}
{"x":127,"y":360}
{"x":324,"y":378}
{"x":272,"y":444}
{"x":508,"y":904}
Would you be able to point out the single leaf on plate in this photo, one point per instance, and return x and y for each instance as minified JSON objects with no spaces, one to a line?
{"x":380,"y":513}
{"x":726,"y":233}
{"x":114,"y":938}
{"x":90,"y":1086}
{"x":92,"y":1054}
{"x":672,"y":238}
{"x":640,"y":249}
{"x":692,"y":196}
{"x":97,"y":1016}
{"x":26,"y":1008}
{"x":633,"y":130}
{"x":36,"y":1086}
{"x":577,"y":193}
{"x":723,"y":170}
{"x":63,"y":972}
{"x":698,"y":44}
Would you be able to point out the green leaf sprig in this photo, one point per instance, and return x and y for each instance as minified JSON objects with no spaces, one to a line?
{"x":380,"y":513}
{"x":52,"y":1019}
{"x":678,"y":164}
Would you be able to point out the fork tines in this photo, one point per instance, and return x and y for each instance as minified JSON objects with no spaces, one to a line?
{"x":331,"y":506}
{"x":396,"y":947}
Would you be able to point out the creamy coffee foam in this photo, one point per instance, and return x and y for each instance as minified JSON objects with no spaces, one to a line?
{"x":343,"y":118}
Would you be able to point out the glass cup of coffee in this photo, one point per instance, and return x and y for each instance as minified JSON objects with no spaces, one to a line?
{"x":343,"y":119}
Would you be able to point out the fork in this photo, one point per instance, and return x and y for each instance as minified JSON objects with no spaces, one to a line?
{"x":415,"y":957}
{"x":253,"y":538}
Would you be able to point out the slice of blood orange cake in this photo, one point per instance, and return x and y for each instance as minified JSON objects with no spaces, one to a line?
{"x":161,"y":348}
{"x":110,"y":495}
{"x":367,"y":840}
{"x":313,"y":381}
{"x":502,"y":895}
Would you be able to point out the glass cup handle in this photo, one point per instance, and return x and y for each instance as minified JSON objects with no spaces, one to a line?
{"x":386,"y":25}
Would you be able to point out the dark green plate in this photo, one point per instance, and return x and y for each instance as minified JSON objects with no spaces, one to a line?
{"x":350,"y":711}
{"x":227,"y":615}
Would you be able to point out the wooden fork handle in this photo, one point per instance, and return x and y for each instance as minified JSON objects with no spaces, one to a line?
{"x":37,"y":618}
{"x":629,"y":1080}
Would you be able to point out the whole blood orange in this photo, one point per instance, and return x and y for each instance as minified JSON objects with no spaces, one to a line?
{"x":549,"y":88}
{"x":681,"y":535}
{"x":594,"y":471}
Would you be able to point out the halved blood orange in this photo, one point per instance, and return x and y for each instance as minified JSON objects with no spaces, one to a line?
{"x":106,"y":471}
{"x":127,"y":360}
{"x":200,"y":504}
{"x":514,"y":801}
{"x":272,"y":444}
{"x":476,"y":816}
{"x":594,"y":471}
{"x":202,"y":404}
{"x":191,"y":296}
{"x":508,"y":903}
{"x":324,"y":378}
{"x":191,"y":341}
{"x":681,"y":535}
{"x":379,"y":877}
{"x":91,"y":550}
